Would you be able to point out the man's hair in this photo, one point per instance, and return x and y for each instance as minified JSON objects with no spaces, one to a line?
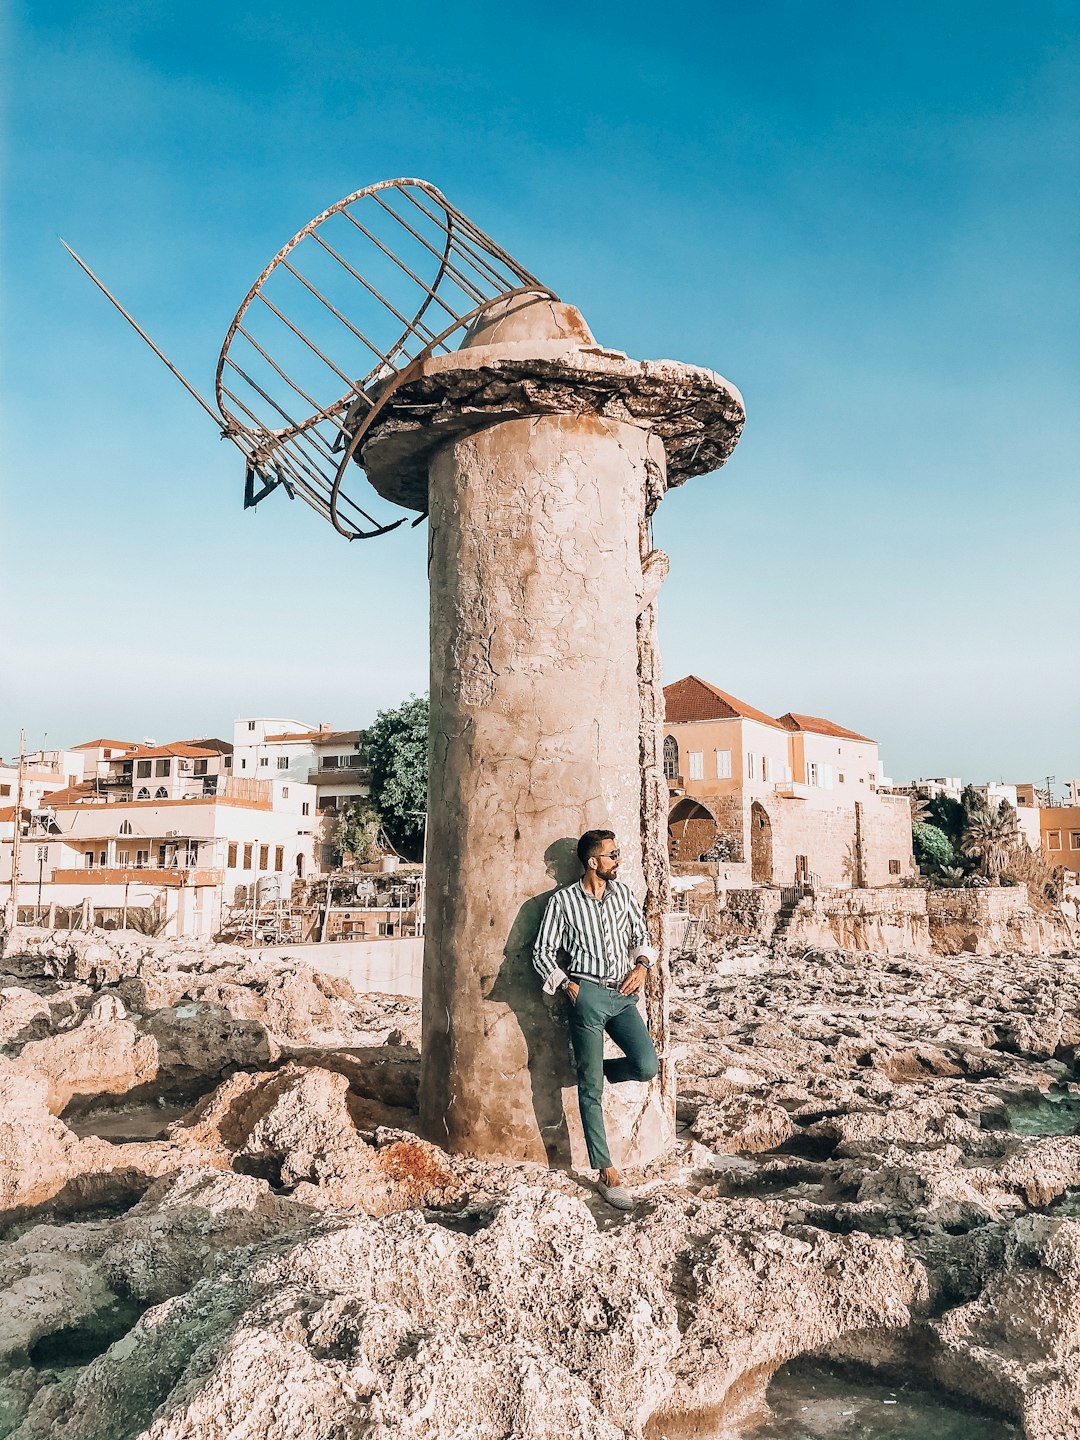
{"x":590,"y":843}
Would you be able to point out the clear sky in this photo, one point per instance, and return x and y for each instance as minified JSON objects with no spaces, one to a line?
{"x":864,"y":214}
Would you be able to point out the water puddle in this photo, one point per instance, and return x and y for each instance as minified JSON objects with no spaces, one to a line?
{"x":1056,"y":1111}
{"x":120,"y":1124}
{"x":813,"y":1400}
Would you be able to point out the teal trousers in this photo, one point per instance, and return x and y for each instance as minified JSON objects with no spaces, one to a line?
{"x":596,"y":1012}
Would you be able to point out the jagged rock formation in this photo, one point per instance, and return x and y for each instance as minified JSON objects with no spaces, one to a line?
{"x":875,"y":1162}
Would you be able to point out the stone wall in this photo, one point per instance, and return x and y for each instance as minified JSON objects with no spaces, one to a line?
{"x":896,"y":920}
{"x":888,"y":920}
{"x":996,"y":921}
{"x":828,"y":838}
{"x":820,"y":827}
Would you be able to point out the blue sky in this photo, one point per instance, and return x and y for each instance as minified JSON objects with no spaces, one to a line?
{"x":862,"y":214}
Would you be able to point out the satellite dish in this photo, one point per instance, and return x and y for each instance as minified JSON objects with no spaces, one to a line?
{"x":344,"y":312}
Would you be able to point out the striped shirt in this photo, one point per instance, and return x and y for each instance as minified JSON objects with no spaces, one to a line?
{"x":602,"y":938}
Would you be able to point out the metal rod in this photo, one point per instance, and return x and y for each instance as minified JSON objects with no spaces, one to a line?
{"x":413,"y":325}
{"x":335,"y":311}
{"x":478,"y":263}
{"x":424,"y":286}
{"x":217,"y":419}
{"x":328,"y":414}
{"x":277,"y":446}
{"x":301,"y":336}
{"x":462,"y":279}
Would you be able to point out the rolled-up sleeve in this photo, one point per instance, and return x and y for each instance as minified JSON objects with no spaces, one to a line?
{"x":546,"y":949}
{"x":640,"y":949}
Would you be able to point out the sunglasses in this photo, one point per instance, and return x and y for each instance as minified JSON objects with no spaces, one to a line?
{"x":611,"y":855}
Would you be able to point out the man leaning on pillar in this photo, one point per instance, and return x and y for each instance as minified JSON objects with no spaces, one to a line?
{"x":598,"y":925}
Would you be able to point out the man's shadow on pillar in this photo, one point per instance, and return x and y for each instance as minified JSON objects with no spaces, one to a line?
{"x":542,"y":1018}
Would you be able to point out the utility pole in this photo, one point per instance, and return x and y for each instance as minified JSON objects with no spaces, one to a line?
{"x":1049,"y":792}
{"x":17,"y":838}
{"x":254,"y":889}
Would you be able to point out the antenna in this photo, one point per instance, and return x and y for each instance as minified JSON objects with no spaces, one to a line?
{"x":345,"y":312}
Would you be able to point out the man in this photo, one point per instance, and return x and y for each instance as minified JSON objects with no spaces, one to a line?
{"x":599,"y":924}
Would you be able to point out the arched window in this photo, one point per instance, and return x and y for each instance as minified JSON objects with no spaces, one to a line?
{"x":144,"y":793}
{"x":671,"y":758}
{"x":162,"y":793}
{"x":125,"y":828}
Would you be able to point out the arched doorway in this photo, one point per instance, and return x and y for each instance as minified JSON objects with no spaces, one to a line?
{"x":761,"y":864}
{"x":691,"y":830}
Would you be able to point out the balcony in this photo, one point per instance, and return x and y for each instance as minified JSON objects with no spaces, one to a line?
{"x":341,"y":775}
{"x":792,"y":790}
{"x":138,"y":875}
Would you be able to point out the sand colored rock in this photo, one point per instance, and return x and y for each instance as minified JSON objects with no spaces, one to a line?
{"x":276,"y":1264}
{"x":1018,"y":1345}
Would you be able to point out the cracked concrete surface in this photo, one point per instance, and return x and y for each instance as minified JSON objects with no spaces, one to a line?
{"x":540,"y":457}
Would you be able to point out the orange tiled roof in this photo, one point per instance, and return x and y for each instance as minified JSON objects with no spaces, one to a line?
{"x":69,"y":795}
{"x":109,"y":744}
{"x":318,"y":737}
{"x":817,"y":726}
{"x":695,"y":699}
{"x":182,"y":748}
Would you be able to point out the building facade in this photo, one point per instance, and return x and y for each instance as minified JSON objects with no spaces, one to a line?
{"x":777,"y":800}
{"x":1060,"y":836}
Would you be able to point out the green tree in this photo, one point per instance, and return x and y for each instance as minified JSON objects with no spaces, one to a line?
{"x":989,"y":838}
{"x":933,"y":848}
{"x":397,"y":747}
{"x":948,"y":815}
{"x":357,"y":833}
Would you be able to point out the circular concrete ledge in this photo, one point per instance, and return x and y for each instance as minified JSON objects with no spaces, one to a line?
{"x":695,"y":412}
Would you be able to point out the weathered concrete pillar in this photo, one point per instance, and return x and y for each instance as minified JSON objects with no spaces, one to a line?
{"x":540,"y":457}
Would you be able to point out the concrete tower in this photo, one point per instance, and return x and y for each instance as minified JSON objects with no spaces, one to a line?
{"x":540,"y":457}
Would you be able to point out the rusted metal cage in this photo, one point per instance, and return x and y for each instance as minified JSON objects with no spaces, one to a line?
{"x":368,"y":289}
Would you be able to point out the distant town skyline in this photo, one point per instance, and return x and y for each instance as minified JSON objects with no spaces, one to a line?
{"x":863,"y":217}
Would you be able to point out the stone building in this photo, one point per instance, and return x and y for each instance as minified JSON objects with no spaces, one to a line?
{"x":775,"y":800}
{"x":1060,"y":837}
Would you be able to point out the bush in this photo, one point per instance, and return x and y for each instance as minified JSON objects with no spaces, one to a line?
{"x":933,"y":848}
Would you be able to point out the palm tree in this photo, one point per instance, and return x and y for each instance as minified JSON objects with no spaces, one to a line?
{"x":989,"y":836}
{"x":920,"y":809}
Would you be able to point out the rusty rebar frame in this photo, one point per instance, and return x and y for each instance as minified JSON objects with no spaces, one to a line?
{"x":296,"y":454}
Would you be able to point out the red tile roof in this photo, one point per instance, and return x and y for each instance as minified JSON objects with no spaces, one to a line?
{"x":223,"y":747}
{"x":695,"y":699}
{"x":106,"y":744}
{"x":182,"y":748}
{"x":817,"y":726}
{"x":317,"y":737}
{"x":70,"y":794}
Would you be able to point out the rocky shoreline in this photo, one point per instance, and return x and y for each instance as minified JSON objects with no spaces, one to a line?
{"x":218,"y":1220}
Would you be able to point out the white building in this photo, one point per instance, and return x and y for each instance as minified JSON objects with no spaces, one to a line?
{"x":185,"y":856}
{"x":182,"y":770}
{"x":331,"y":760}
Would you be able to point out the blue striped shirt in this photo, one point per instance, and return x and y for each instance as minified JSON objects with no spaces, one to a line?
{"x":601,"y":938}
